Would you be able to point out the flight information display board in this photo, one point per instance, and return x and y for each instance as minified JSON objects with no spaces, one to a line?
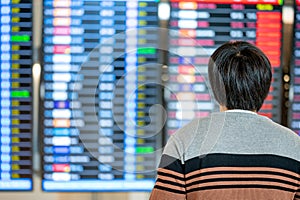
{"x":101,"y":79}
{"x":16,"y":95}
{"x":294,"y":114}
{"x":197,"y":28}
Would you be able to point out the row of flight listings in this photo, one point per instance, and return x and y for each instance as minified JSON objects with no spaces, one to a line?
{"x":109,"y":100}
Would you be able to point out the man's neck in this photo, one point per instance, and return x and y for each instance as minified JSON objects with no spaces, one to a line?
{"x":224,"y":108}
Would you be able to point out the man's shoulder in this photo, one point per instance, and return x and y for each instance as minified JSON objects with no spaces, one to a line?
{"x":191,"y":132}
{"x":193,"y":127}
{"x":287,"y":133}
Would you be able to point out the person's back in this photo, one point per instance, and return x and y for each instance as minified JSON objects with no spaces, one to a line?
{"x":235,"y":154}
{"x":229,"y":156}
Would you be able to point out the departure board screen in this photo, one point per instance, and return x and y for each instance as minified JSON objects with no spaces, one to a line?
{"x":16,"y":95}
{"x":294,"y":113}
{"x":102,"y":94}
{"x":197,"y":28}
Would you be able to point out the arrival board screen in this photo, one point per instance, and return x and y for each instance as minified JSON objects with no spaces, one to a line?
{"x":197,"y":28}
{"x":16,"y":95}
{"x":294,"y":117}
{"x":101,"y":111}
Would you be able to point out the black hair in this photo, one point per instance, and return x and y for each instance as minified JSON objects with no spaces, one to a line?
{"x":240,"y":75}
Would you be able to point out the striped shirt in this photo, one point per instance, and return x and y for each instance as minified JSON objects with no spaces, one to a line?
{"x":230,"y":156}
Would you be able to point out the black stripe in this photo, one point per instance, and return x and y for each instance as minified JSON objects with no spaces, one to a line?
{"x":170,"y":182}
{"x":170,"y":175}
{"x":244,"y":172}
{"x":271,"y":180}
{"x":169,"y":189}
{"x":238,"y":160}
{"x":297,"y":196}
{"x":240,"y":186}
{"x":171,"y":163}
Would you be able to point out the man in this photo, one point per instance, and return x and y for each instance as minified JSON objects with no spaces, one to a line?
{"x":235,"y":154}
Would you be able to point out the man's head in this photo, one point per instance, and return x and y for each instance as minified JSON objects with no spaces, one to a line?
{"x":240,"y":76}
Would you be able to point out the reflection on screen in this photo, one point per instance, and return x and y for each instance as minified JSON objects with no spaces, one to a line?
{"x":101,"y":77}
{"x":197,"y":28}
{"x":16,"y":95}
